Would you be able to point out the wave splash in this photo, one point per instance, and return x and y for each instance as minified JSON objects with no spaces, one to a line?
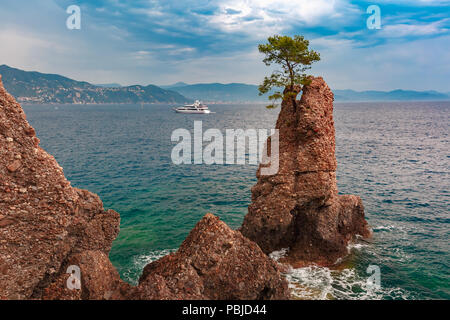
{"x":140,"y":261}
{"x":322,"y":283}
{"x":307,"y":283}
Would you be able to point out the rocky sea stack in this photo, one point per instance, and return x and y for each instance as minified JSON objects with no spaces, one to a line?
{"x":47,"y":226}
{"x":299,"y":207}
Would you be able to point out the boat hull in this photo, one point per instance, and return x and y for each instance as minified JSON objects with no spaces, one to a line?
{"x":193,"y":111}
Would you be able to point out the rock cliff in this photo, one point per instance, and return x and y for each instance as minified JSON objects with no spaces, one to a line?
{"x":47,"y":226}
{"x":299,"y":207}
{"x":44,"y":222}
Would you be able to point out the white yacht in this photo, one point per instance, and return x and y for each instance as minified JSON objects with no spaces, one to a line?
{"x":196,"y":107}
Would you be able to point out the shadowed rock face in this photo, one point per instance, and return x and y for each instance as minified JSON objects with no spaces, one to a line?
{"x":299,"y":207}
{"x":214,"y":262}
{"x":44,"y":222}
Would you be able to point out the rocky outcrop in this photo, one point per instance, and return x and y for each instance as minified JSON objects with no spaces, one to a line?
{"x":47,"y":227}
{"x":214,"y":262}
{"x":299,"y":207}
{"x":45,"y":224}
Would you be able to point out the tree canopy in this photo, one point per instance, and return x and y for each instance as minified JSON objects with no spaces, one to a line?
{"x":294,"y":57}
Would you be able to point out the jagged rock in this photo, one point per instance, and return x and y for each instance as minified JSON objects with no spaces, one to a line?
{"x":299,"y":207}
{"x":214,"y":262}
{"x":45,"y":222}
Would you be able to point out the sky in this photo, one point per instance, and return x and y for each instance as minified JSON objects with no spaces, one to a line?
{"x":198,"y":41}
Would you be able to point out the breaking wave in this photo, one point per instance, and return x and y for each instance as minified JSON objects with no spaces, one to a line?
{"x":321,"y":283}
{"x":139,"y":262}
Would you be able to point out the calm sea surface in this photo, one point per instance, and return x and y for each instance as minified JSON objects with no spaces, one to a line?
{"x":394,"y":155}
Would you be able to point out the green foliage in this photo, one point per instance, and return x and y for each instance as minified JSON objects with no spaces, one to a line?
{"x":294,"y":57}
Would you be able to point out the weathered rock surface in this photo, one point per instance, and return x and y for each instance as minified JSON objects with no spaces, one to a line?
{"x":214,"y":262}
{"x":44,"y":222}
{"x":299,"y":207}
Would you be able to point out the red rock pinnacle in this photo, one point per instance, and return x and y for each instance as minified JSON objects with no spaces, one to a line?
{"x":299,"y":208}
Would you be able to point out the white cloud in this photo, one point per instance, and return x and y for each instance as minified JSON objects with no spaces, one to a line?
{"x":184,"y":50}
{"x":331,"y":42}
{"x":424,"y":29}
{"x":416,"y":2}
{"x":269,"y":16}
{"x":244,"y":67}
{"x":422,"y":64}
{"x":25,"y":50}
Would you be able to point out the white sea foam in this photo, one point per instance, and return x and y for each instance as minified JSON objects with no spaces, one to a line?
{"x":402,"y":255}
{"x":356,"y":246}
{"x":390,"y":227}
{"x":314,"y":282}
{"x":139,"y":262}
{"x":321,"y":283}
{"x":277,"y":255}
{"x":143,"y":260}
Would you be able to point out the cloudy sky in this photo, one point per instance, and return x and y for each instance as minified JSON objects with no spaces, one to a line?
{"x":197,"y":41}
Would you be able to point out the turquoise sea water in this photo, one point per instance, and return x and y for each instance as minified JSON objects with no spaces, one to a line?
{"x":394,"y":155}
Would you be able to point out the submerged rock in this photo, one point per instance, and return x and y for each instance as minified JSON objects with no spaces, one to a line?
{"x":299,"y":207}
{"x":214,"y":262}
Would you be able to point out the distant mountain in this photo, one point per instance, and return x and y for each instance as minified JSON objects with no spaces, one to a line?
{"x":239,"y":92}
{"x":36,"y":87}
{"x":395,"y":95}
{"x":232,"y":92}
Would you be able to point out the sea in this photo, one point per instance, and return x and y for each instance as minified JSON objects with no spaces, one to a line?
{"x":395,"y":155}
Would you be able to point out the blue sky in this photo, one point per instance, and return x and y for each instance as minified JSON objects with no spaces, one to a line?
{"x":198,"y":41}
